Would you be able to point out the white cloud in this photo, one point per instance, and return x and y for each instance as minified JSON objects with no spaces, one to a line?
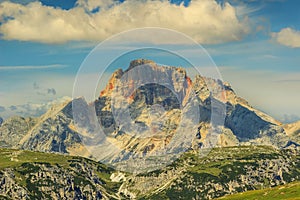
{"x":204,"y":20}
{"x":288,"y":37}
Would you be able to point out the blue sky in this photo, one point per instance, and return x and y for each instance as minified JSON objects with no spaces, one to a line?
{"x":255,"y":44}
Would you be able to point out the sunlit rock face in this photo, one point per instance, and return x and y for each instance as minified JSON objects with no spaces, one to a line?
{"x":143,"y":108}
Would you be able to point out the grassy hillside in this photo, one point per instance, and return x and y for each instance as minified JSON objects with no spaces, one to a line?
{"x":36,"y":175}
{"x":15,"y":158}
{"x":224,"y":171}
{"x":289,"y":191}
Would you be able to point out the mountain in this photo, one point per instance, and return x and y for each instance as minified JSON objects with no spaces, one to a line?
{"x":224,"y":171}
{"x":147,"y":110}
{"x":158,"y":133}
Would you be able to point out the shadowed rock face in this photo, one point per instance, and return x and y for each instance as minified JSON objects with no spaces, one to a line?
{"x":152,"y":94}
{"x":155,"y":97}
{"x":245,"y":123}
{"x":291,"y":144}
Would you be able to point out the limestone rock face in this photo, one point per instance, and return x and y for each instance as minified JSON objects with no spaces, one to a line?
{"x":14,"y":129}
{"x":141,"y":109}
{"x":54,"y":132}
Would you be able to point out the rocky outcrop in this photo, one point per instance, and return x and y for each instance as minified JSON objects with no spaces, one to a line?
{"x":55,"y":177}
{"x":14,"y":129}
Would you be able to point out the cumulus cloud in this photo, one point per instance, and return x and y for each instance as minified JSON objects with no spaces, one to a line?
{"x":288,"y":37}
{"x":206,"y":21}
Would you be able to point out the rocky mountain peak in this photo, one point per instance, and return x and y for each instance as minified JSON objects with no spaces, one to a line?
{"x":112,"y":82}
{"x":139,"y":62}
{"x":142,"y":72}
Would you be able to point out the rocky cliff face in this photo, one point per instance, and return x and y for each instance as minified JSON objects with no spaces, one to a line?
{"x":155,"y":98}
{"x":14,"y":129}
{"x":53,"y":132}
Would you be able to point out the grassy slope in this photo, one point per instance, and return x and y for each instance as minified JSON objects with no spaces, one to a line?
{"x":220,"y":166}
{"x":289,"y":191}
{"x":14,"y":158}
{"x":213,"y":167}
{"x":21,"y":161}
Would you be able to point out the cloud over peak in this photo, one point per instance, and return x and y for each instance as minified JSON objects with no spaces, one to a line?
{"x":207,"y":21}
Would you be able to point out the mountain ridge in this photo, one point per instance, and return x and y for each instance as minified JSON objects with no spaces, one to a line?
{"x":248,"y":150}
{"x":56,"y":130}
